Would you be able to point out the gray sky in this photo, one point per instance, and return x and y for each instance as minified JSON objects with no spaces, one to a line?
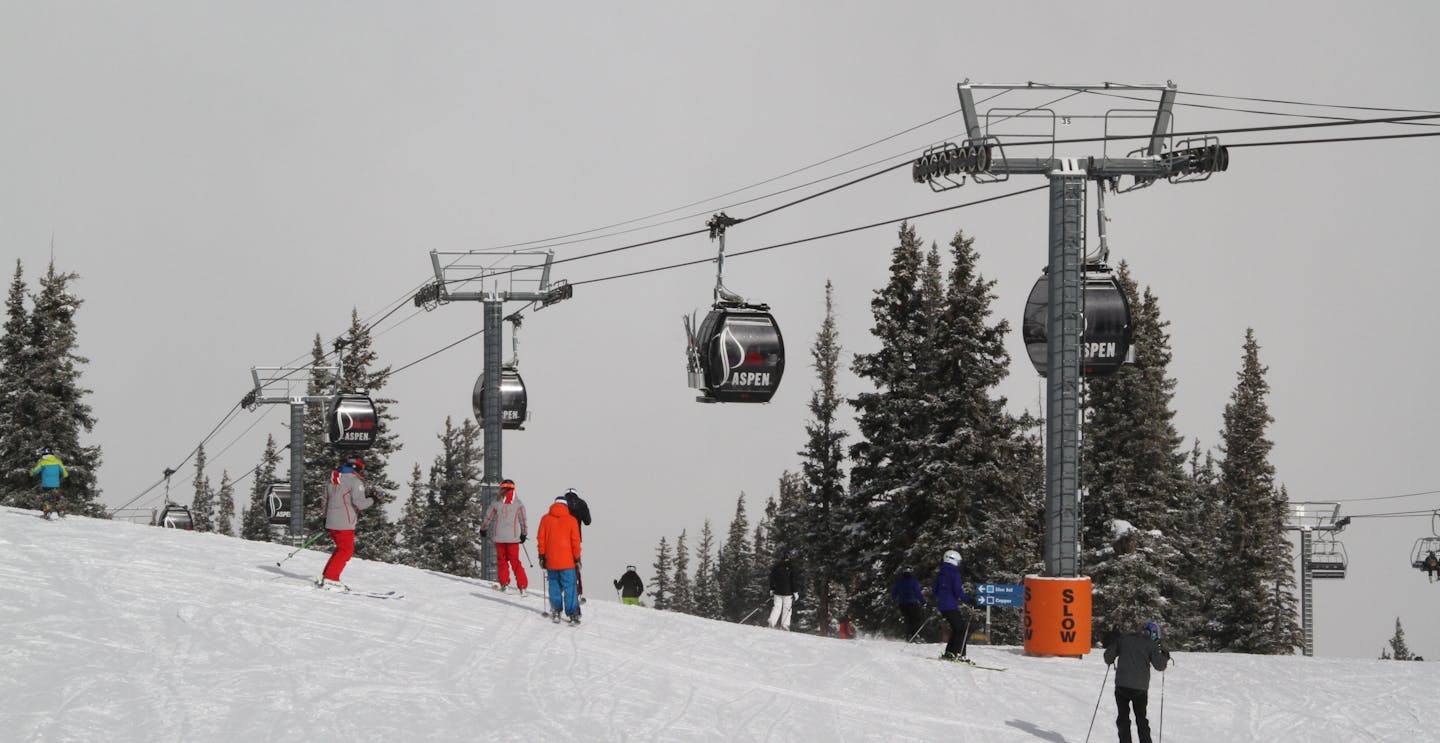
{"x":232,"y":179}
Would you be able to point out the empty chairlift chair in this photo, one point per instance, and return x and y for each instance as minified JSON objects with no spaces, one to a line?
{"x":1328,"y":559}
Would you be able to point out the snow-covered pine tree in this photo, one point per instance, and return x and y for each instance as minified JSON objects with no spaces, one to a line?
{"x":413,"y":524}
{"x":1202,"y":548}
{"x":822,"y":462}
{"x":256,"y":522}
{"x":706,"y":589}
{"x":362,"y":372}
{"x":682,"y":598}
{"x":50,"y":409}
{"x":978,"y":482}
{"x":17,"y":444}
{"x":736,"y":566}
{"x":1262,"y":616}
{"x":1137,"y":492}
{"x":454,"y":525}
{"x":659,"y":583}
{"x":225,"y":506}
{"x":202,"y":504}
{"x":1398,"y":650}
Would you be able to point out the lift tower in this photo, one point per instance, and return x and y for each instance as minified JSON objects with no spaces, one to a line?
{"x":498,"y":277}
{"x":985,"y":156}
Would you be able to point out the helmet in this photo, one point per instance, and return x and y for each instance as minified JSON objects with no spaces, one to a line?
{"x":570,"y":491}
{"x":952,"y":557}
{"x":631,"y":568}
{"x":45,"y":451}
{"x":1153,"y":630}
{"x":507,"y":484}
{"x":355,"y":462}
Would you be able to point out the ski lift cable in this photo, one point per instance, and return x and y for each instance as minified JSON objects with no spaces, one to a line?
{"x":1153,"y":101}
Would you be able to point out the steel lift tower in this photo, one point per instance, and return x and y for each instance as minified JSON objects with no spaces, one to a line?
{"x":985,"y":155}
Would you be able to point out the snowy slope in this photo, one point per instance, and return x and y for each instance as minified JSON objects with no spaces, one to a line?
{"x":120,"y":632}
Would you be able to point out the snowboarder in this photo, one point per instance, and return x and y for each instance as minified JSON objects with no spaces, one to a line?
{"x":581,"y":511}
{"x":630,"y":586}
{"x":558,"y":542}
{"x":507,"y":517}
{"x":342,"y":502}
{"x":1431,"y":565}
{"x":51,"y":471}
{"x":1134,"y":654}
{"x":910,"y":599}
{"x":951,"y":600}
{"x":785,"y":589}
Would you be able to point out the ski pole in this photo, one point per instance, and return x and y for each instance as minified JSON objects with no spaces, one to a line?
{"x":923,"y":625}
{"x":752,"y":613}
{"x":1097,"y":703}
{"x":1162,"y":707}
{"x":307,"y":543}
{"x":527,"y":554}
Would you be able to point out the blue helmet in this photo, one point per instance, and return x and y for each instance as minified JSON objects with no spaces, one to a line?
{"x":45,"y":451}
{"x":1153,"y":630}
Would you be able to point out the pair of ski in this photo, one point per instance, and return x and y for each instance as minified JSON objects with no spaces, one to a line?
{"x":969,"y":663}
{"x":554,"y":616}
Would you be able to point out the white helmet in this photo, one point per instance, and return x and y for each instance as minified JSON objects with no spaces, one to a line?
{"x":952,"y":557}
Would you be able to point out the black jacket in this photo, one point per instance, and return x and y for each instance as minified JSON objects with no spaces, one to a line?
{"x":630,"y":585}
{"x":784,"y":579}
{"x":1137,"y":653}
{"x":578,"y":508}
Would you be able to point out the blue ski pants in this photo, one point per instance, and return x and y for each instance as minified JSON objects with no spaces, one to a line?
{"x":562,"y":591}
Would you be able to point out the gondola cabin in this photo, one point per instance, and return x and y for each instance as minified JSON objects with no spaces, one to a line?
{"x":1423,"y":549}
{"x":353,"y":423}
{"x":740,"y":354}
{"x":1328,"y":560}
{"x":277,"y":504}
{"x":175,"y":516}
{"x":1105,"y":342}
{"x":514,"y":401}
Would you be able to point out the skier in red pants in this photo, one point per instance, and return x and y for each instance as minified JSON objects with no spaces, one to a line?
{"x":343,"y":501}
{"x":505,"y":522}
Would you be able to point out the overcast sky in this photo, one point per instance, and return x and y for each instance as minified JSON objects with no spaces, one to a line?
{"x":230,"y":180}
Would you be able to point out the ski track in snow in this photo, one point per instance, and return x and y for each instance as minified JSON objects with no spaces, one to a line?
{"x":120,"y":632}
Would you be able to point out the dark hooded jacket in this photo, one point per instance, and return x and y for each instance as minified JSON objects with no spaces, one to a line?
{"x":630,"y":585}
{"x":1136,"y":654}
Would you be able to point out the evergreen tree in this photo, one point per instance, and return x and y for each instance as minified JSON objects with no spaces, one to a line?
{"x":455,"y":518}
{"x":706,"y":590}
{"x":1202,"y":548}
{"x":1398,"y":650}
{"x":256,"y":522}
{"x":823,"y":458}
{"x":46,"y":405}
{"x":378,"y":535}
{"x":17,"y":445}
{"x":660,"y":594}
{"x":735,"y":568}
{"x":415,"y":522}
{"x":1260,"y":614}
{"x":682,"y":598}
{"x":1132,"y":466}
{"x":225,"y":502}
{"x":202,"y":505}
{"x":877,"y":510}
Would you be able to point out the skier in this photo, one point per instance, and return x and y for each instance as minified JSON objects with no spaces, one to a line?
{"x":507,"y":516}
{"x":1432,"y":565}
{"x":950,"y":597}
{"x":630,"y":586}
{"x":51,"y":471}
{"x":581,"y":511}
{"x":558,"y":542}
{"x":342,"y":502}
{"x":1134,"y":654}
{"x":909,"y":598}
{"x":785,"y":588}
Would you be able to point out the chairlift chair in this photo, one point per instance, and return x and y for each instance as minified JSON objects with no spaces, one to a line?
{"x":1423,"y":547}
{"x":1328,"y":559}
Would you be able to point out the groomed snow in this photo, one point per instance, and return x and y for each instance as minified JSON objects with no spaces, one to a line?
{"x":120,"y":632}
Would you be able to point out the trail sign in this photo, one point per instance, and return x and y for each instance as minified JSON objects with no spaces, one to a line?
{"x":999,"y":594}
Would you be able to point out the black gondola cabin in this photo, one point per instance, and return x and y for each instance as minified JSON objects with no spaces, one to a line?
{"x":277,"y":504}
{"x":514,"y":401}
{"x":175,"y":516}
{"x":353,"y":423}
{"x":1105,"y":342}
{"x":741,"y":354}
